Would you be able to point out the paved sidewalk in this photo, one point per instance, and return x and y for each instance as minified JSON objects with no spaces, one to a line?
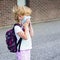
{"x":46,"y":42}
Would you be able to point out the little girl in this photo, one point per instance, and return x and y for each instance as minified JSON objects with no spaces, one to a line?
{"x":20,"y":14}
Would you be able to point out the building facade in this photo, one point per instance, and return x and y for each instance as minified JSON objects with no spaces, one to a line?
{"x":43,"y":10}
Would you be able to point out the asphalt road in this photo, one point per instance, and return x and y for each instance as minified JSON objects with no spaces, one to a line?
{"x":46,"y":42}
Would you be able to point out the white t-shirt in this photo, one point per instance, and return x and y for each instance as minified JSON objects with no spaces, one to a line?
{"x":25,"y":44}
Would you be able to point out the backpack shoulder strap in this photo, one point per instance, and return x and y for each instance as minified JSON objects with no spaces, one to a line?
{"x":18,"y":25}
{"x":19,"y":43}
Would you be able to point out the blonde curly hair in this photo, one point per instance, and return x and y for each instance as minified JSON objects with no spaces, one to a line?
{"x":22,"y":11}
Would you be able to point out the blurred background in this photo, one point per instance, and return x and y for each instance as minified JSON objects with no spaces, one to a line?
{"x":43,"y":10}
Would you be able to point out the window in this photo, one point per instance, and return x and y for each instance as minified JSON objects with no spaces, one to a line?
{"x":21,"y":2}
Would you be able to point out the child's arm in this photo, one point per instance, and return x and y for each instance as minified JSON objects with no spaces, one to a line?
{"x":23,"y":34}
{"x":31,"y":29}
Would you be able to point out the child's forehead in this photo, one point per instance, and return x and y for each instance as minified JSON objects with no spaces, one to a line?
{"x":20,"y":15}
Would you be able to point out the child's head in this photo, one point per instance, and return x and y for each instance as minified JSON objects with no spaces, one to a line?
{"x":20,"y":12}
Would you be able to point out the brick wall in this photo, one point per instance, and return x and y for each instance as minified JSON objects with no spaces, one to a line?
{"x":44,"y":10}
{"x":6,"y":17}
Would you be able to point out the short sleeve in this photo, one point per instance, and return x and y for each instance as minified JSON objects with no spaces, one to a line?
{"x":17,"y":29}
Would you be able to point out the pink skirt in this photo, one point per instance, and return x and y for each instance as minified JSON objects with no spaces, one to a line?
{"x":23,"y":55}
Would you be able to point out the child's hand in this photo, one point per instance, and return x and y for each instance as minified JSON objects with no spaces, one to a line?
{"x":26,"y":23}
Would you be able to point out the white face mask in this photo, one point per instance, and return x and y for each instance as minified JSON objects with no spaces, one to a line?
{"x":25,"y":18}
